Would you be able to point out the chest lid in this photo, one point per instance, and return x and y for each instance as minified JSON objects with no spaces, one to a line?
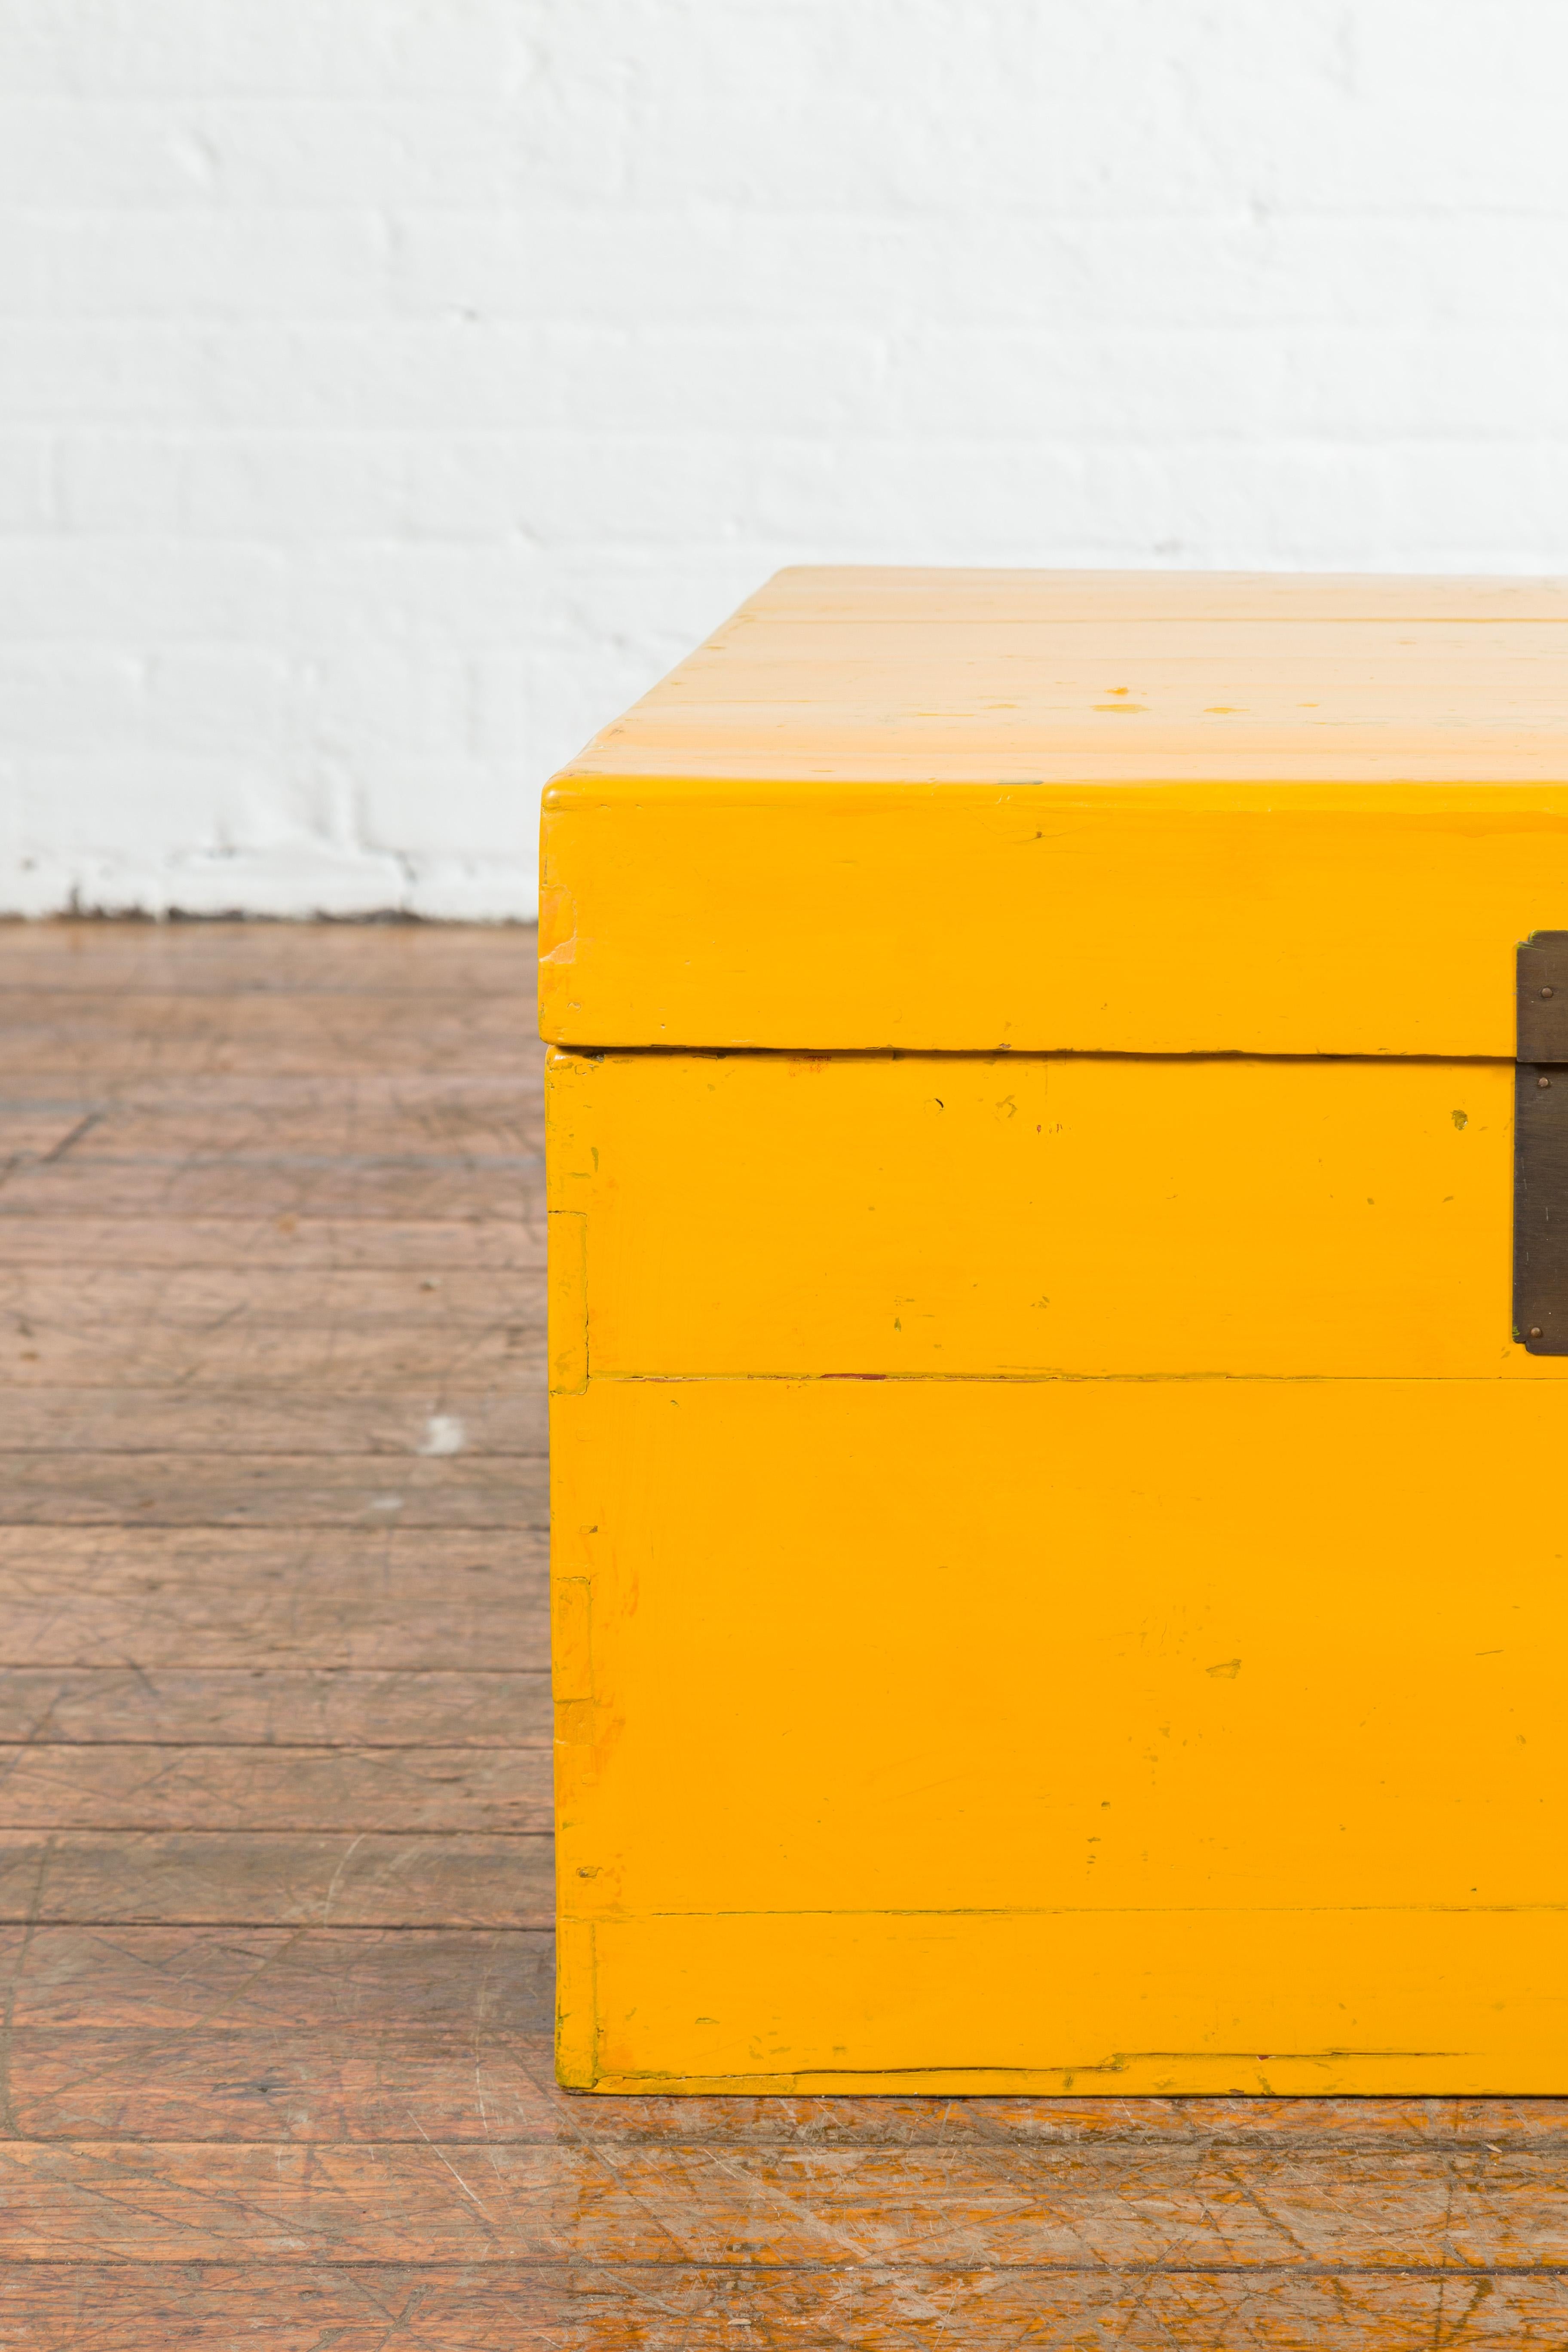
{"x":1085,"y":811}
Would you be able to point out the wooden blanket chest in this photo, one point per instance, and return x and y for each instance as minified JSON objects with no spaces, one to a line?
{"x":1060,"y":1571}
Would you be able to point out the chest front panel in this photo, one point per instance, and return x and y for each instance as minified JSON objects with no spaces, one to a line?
{"x":1055,"y":1500}
{"x":1059,"y":1178}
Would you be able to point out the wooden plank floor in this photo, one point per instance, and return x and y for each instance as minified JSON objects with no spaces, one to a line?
{"x":274,"y":1780}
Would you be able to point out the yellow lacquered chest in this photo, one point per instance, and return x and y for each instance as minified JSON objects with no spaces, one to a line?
{"x":1059,"y":1579}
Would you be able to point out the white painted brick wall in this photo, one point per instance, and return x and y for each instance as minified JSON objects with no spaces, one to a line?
{"x":391,"y":389}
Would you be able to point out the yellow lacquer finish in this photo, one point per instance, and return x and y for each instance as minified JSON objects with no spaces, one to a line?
{"x":1101,"y":813}
{"x":1056,"y":1581}
{"x":969,"y":1215}
{"x":1221,"y":1667}
{"x":1110,"y":918}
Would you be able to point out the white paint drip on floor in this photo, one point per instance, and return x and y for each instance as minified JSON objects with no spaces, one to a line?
{"x":444,"y":1433}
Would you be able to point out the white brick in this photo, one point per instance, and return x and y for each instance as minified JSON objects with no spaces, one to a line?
{"x":300,"y":486}
{"x":138,"y":594}
{"x":119,"y":802}
{"x":27,"y":483}
{"x":412,"y":595}
{"x":448,"y":807}
{"x":238,"y":263}
{"x":119,"y":483}
{"x":294,"y":155}
{"x":306,"y":49}
{"x":179,"y":704}
{"x":366,"y":705}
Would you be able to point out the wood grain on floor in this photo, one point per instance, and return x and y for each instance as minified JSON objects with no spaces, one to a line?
{"x":275,"y":1881}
